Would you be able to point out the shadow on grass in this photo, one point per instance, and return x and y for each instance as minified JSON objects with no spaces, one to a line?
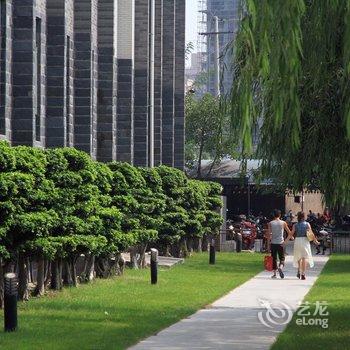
{"x":115,"y":313}
{"x":333,"y":287}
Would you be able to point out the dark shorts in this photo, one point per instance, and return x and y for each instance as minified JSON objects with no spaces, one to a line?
{"x":277,"y":249}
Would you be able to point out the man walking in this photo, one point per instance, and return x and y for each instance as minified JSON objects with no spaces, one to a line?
{"x":276,"y":229}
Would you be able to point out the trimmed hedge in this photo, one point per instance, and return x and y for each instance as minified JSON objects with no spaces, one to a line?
{"x":58,"y":205}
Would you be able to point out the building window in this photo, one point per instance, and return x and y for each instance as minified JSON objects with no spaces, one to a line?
{"x":2,"y":66}
{"x":68,"y":91}
{"x":37,"y":67}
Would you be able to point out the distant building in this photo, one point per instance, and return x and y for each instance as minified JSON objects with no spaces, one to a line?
{"x":244,"y":195}
{"x":104,"y":76}
{"x":228,"y":13}
{"x":194,"y":70}
{"x":195,"y":67}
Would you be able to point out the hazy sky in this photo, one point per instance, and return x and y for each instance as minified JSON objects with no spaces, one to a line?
{"x":191,"y":21}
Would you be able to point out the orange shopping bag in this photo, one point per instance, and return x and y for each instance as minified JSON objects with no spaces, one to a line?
{"x":268,"y":263}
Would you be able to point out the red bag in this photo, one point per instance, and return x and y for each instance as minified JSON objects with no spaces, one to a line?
{"x":268,"y":263}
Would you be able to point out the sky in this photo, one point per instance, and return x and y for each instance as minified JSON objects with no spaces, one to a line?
{"x":191,"y":21}
{"x":191,"y":24}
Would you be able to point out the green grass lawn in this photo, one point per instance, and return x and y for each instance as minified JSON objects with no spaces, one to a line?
{"x":116,"y":313}
{"x":332,"y":286}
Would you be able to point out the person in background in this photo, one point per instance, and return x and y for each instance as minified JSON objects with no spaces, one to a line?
{"x":311,"y":216}
{"x":275,"y":231}
{"x":289,"y":219}
{"x":327,"y":216}
{"x":320,"y":220}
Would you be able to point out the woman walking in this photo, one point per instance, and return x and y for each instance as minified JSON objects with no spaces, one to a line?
{"x":302,"y":248}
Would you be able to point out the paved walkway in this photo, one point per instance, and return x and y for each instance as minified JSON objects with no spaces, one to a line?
{"x":163,"y":261}
{"x":232,"y":322}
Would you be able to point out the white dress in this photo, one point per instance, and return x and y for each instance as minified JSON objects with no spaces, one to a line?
{"x":302,"y":249}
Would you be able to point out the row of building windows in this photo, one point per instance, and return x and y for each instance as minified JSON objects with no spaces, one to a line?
{"x":74,"y":73}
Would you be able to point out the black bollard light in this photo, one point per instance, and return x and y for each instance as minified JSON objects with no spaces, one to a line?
{"x":212,"y":253}
{"x":238,"y":242}
{"x":10,"y":302}
{"x":154,"y":266}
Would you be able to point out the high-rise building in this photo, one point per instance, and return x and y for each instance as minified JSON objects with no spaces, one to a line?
{"x":194,"y":69}
{"x":227,"y":13}
{"x":104,"y":76}
{"x":6,"y":60}
{"x":60,"y":74}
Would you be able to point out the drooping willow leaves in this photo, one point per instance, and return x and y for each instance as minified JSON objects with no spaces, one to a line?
{"x":291,"y":77}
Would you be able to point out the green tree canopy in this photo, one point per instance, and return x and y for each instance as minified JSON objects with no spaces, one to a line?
{"x":58,"y":206}
{"x":207,"y":134}
{"x":291,"y":77}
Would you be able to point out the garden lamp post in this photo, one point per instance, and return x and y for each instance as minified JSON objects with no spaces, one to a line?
{"x":154,"y":266}
{"x":10,"y":302}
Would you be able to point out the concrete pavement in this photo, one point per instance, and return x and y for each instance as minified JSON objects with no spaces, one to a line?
{"x":232,"y":322}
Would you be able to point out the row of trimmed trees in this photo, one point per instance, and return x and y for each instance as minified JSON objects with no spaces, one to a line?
{"x":65,"y":218}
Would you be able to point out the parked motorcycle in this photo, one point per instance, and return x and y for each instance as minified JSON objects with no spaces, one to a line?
{"x":324,"y":236}
{"x":244,"y":227}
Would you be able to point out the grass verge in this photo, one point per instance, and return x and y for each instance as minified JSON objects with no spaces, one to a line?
{"x":332,"y":286}
{"x":116,"y":313}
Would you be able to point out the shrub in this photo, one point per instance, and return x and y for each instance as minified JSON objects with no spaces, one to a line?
{"x":59,"y":204}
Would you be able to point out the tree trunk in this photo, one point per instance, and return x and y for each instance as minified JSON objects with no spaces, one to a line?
{"x":212,"y":165}
{"x":205,"y":243}
{"x":190,"y":244}
{"x":23,"y":292}
{"x":133,"y":258}
{"x":176,"y":249}
{"x":183,"y":248}
{"x":1,"y":284}
{"x":74,"y":271}
{"x":103,"y":267}
{"x":89,"y":269}
{"x":198,"y":245}
{"x":142,"y":256}
{"x":200,"y":155}
{"x":30,"y":271}
{"x":113,"y":265}
{"x":56,"y":274}
{"x":121,"y":264}
{"x":40,"y":279}
{"x":67,"y":273}
{"x":167,"y":251}
{"x":47,"y":278}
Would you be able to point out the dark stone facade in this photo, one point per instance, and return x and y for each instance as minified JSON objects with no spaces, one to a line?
{"x":158,"y":82}
{"x":141,"y":83}
{"x":78,"y":73}
{"x":85,"y":80}
{"x":60,"y":91}
{"x":29,"y":73}
{"x":125,"y":110}
{"x":125,"y":81}
{"x":168,"y":83}
{"x":5,"y":68}
{"x":179,"y":97}
{"x":107,"y":84}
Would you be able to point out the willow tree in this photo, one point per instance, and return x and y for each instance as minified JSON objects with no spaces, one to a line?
{"x":291,"y":78}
